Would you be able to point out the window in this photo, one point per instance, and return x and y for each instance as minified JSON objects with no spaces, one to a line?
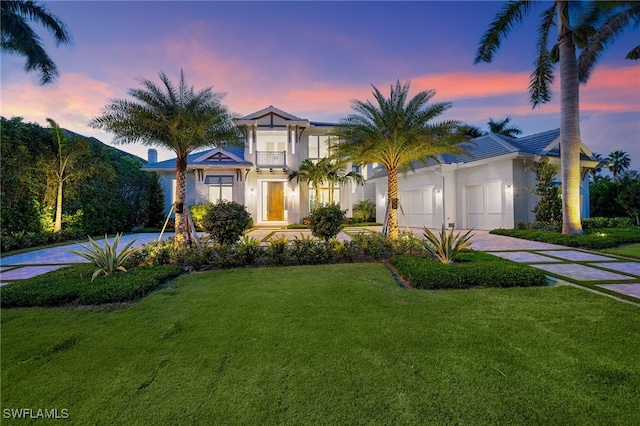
{"x":319,"y":146}
{"x":326,"y":196}
{"x":220,"y":188}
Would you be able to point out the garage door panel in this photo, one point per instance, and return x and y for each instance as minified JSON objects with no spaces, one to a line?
{"x":417,"y":208}
{"x":484,"y":206}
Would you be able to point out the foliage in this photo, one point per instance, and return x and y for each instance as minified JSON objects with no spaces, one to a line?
{"x":549,"y":206}
{"x":603,"y":194}
{"x":365,"y":210}
{"x":249,"y":250}
{"x":395,"y":132}
{"x":277,"y":251}
{"x":306,"y":250}
{"x":198,"y":212}
{"x":474,"y":269}
{"x":606,"y":222}
{"x":325,"y":221}
{"x":173,"y":117}
{"x":226,"y":221}
{"x":19,"y":38}
{"x":619,"y":161}
{"x":106,"y":259}
{"x":72,"y":285}
{"x":597,"y":238}
{"x":371,"y":246}
{"x":629,"y":198}
{"x":503,"y":128}
{"x":110,"y":195}
{"x":447,"y":246}
{"x":407,"y":243}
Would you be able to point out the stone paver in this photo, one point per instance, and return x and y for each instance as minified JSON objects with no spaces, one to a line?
{"x":577,"y":255}
{"x":628,"y":289}
{"x":28,"y":272}
{"x":581,"y":272}
{"x":624,"y":267}
{"x":524,"y":256}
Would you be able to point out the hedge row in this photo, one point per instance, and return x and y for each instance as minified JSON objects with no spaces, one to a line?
{"x":473,"y":269}
{"x":72,"y":286}
{"x":598,"y":238}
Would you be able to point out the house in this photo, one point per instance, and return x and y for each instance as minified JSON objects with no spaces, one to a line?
{"x":486,"y":189}
{"x":256,"y":175}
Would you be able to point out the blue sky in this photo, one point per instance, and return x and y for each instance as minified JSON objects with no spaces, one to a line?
{"x":311,"y":59}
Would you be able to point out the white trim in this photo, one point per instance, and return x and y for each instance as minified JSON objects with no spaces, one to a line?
{"x":213,"y":151}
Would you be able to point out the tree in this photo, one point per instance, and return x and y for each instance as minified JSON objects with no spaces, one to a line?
{"x":549,"y":206}
{"x":601,"y":163}
{"x":572,"y":72}
{"x":66,"y":152}
{"x":503,"y":128}
{"x":395,"y":132}
{"x":18,"y":37}
{"x":629,"y":199}
{"x":176,"y":118}
{"x":336,"y":176}
{"x":618,"y":161}
{"x":312,"y":173}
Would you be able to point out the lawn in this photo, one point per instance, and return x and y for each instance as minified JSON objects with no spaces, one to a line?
{"x":330,"y":344}
{"x":628,"y":250}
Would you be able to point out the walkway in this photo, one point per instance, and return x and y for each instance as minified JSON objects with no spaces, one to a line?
{"x":605,"y":273}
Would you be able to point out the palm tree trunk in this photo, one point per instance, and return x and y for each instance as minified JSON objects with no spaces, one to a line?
{"x":570,"y":142}
{"x":393,"y":206}
{"x":57,"y":227}
{"x":181,"y":198}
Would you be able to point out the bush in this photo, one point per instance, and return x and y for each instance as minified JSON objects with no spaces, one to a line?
{"x":597,"y":238}
{"x":371,"y":246}
{"x":277,"y":251}
{"x":306,"y":250}
{"x":325,"y":221}
{"x":226,"y":221}
{"x":475,"y":269}
{"x":445,"y":248}
{"x":72,"y":285}
{"x":249,"y":250}
{"x":198,"y":211}
{"x":365,"y":211}
{"x":106,"y":259}
{"x":607,"y":222}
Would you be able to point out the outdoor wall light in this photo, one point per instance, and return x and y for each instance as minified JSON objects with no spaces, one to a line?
{"x":507,"y":189}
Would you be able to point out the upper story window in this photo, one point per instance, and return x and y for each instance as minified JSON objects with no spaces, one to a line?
{"x":271,"y":140}
{"x":319,"y":146}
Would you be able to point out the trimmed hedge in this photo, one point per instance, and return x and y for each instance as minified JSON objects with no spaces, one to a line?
{"x":72,"y":286}
{"x":474,"y":269}
{"x":595,"y":238}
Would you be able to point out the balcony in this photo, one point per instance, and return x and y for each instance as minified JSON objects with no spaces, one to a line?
{"x":271,"y":159}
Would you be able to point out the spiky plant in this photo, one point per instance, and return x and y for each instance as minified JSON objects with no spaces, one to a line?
{"x":106,"y":259}
{"x":446,"y":247}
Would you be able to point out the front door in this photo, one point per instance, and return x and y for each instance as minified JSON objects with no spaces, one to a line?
{"x":275,"y":201}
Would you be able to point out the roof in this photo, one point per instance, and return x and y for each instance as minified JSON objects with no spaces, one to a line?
{"x":271,"y":110}
{"x":493,"y":145}
{"x":231,"y":156}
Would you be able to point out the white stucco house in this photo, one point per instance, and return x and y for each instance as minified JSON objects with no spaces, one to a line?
{"x":486,"y":189}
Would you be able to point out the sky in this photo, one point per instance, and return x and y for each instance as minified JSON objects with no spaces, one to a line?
{"x":311,"y":59}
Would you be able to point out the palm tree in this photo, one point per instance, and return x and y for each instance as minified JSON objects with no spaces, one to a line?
{"x":66,"y":152}
{"x":601,"y":163}
{"x":503,"y":128}
{"x":336,"y":176}
{"x":619,"y":161}
{"x":18,"y":37}
{"x":572,"y":73}
{"x":312,"y":173}
{"x":176,"y":118}
{"x":395,"y":132}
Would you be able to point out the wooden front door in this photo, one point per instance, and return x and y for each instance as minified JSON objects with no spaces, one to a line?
{"x":275,"y":201}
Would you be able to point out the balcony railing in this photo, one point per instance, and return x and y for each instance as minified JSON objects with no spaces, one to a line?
{"x":271,"y":158}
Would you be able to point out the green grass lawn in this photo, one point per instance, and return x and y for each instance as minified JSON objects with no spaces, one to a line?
{"x":331,"y":344}
{"x":629,"y":250}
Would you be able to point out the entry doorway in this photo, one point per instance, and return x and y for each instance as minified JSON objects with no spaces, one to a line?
{"x":275,"y":201}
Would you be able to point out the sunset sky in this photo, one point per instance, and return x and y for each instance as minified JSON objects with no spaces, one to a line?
{"x":311,"y":59}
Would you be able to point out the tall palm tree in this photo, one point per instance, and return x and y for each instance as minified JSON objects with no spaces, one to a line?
{"x":176,"y":118}
{"x":503,"y":128}
{"x":395,"y":132}
{"x":312,"y":173}
{"x":571,"y":74}
{"x":619,"y":161}
{"x":18,"y":37}
{"x":66,"y":152}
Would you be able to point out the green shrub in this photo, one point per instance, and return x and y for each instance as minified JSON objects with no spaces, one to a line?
{"x":73,"y":285}
{"x":365,"y":211}
{"x":249,"y":250}
{"x":198,"y":211}
{"x":106,"y":259}
{"x":596,"y":239}
{"x":607,"y":222}
{"x":325,"y":221}
{"x":474,"y":269}
{"x":277,"y":251}
{"x":226,"y":221}
{"x":445,"y":248}
{"x":306,"y":250}
{"x":407,"y":243}
{"x":371,"y":246}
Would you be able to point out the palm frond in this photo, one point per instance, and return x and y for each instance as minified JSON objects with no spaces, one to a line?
{"x":511,"y":15}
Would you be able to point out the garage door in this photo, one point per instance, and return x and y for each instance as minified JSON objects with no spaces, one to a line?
{"x":484,"y":206}
{"x":416,"y":208}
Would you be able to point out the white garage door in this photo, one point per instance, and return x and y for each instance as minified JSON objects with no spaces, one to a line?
{"x":416,"y":208}
{"x":484,"y":206}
